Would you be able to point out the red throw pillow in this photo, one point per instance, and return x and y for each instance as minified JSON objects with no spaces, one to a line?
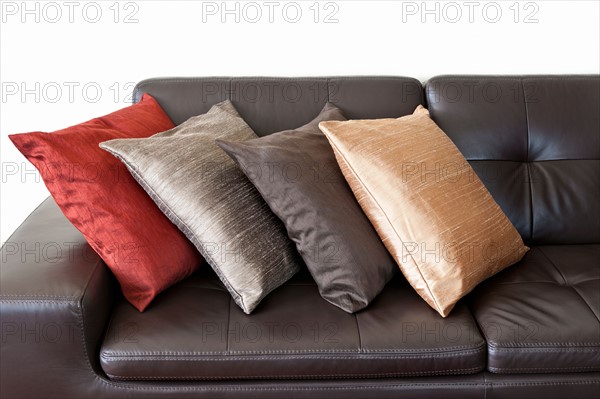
{"x":145,"y":251}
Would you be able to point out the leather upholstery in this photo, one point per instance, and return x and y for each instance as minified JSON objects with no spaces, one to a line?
{"x":541,"y":386}
{"x":55,"y":296}
{"x":289,"y":102}
{"x":534,"y":142}
{"x":541,"y":315}
{"x":73,"y":290}
{"x":68,"y":367}
{"x":195,"y":331}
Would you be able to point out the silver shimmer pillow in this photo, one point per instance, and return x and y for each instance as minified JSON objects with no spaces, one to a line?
{"x":202,"y":191}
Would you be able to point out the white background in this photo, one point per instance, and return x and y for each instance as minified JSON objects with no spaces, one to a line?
{"x":105,"y":47}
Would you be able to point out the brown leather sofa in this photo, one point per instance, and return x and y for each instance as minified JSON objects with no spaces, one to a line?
{"x":532,"y":331}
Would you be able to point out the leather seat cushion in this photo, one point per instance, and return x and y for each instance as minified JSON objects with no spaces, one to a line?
{"x":194,"y":331}
{"x":542,"y":314}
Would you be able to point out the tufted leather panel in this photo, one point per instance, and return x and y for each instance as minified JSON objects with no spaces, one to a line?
{"x":195,"y":332}
{"x":542,"y":315}
{"x":535,"y":143}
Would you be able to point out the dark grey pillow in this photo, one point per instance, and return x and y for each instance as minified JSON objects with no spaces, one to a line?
{"x":297,"y":174}
{"x":204,"y":193}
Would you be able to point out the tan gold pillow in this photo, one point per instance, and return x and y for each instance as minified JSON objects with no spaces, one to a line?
{"x":432,"y":212}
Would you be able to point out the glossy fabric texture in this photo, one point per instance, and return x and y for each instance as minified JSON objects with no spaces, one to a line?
{"x":144,"y":250}
{"x":205,"y":194}
{"x":434,"y":215}
{"x":297,"y":174}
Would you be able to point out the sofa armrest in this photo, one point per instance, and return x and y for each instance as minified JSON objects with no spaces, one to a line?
{"x":55,"y":299}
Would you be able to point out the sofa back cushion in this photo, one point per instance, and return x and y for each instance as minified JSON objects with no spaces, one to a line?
{"x":271,"y":105}
{"x":535,"y":144}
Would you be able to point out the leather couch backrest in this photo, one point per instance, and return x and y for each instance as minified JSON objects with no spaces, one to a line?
{"x":270,"y":105}
{"x":535,"y":143}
